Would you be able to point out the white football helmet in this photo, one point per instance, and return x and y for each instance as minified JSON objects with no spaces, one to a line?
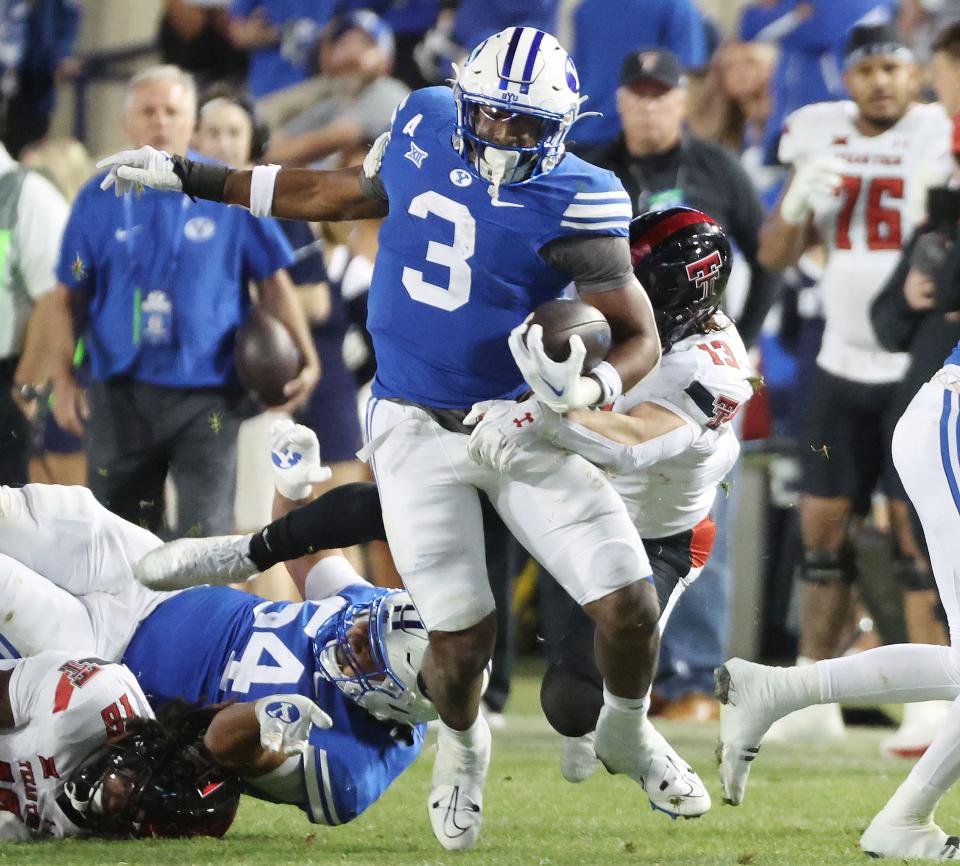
{"x":517,"y":96}
{"x":398,"y":641}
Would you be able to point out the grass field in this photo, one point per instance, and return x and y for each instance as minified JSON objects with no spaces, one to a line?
{"x":806,"y":805}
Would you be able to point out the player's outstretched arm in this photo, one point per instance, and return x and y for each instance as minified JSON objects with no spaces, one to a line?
{"x":251,"y":739}
{"x":295,"y":193}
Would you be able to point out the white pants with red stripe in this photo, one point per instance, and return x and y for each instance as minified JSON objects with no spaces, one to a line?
{"x":66,"y":573}
{"x":561,"y":508}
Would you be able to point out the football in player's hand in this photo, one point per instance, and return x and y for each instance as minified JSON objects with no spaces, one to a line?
{"x":564,"y":317}
{"x":266,"y":357}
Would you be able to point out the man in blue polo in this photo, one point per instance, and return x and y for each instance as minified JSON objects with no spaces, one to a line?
{"x":162,"y":283}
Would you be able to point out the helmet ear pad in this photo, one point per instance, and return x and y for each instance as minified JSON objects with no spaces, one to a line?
{"x":683,"y":260}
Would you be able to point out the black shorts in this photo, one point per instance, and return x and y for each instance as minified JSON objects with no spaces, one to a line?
{"x":845,"y":440}
{"x":571,"y":694}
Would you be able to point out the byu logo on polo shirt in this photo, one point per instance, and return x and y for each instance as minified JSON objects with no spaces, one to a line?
{"x":199,"y":229}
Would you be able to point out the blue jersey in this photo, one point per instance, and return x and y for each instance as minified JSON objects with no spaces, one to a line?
{"x":954,"y":356}
{"x":212,"y":644}
{"x":457,"y":270}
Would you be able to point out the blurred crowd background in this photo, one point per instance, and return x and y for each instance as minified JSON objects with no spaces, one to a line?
{"x":693,"y":95}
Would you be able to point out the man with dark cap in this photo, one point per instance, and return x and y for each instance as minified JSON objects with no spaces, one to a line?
{"x":860,"y":173}
{"x":661,"y":165}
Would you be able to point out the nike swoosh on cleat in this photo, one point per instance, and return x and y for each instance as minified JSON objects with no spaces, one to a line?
{"x":450,"y":817}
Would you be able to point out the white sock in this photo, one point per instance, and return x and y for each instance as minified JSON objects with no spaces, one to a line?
{"x":635,"y":705}
{"x":470,"y":738}
{"x":912,"y":803}
{"x":895,"y":674}
{"x":939,"y":767}
{"x":329,"y":576}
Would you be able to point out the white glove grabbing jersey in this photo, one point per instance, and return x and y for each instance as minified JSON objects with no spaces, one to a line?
{"x":285,"y":722}
{"x":504,"y":427}
{"x":145,"y":166}
{"x":295,"y":455}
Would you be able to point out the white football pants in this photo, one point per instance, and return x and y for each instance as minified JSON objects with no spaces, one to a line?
{"x":66,"y":573}
{"x":561,"y":508}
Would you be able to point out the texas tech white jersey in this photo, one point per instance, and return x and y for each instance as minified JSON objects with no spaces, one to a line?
{"x":63,"y":709}
{"x":881,"y":199}
{"x":705,"y":379}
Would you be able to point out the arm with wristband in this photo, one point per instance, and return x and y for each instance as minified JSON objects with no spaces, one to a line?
{"x":267,"y":190}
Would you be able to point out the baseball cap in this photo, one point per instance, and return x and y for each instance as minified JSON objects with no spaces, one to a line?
{"x":652,"y":64}
{"x":867,"y":39}
{"x":372,"y":24}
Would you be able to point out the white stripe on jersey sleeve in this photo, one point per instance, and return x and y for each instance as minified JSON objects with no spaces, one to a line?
{"x":610,"y":224}
{"x":315,"y":798}
{"x":594,"y":211}
{"x":613,"y":194}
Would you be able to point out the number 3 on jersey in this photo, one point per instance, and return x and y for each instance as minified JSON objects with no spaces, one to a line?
{"x":453,"y":256}
{"x":883,"y":222}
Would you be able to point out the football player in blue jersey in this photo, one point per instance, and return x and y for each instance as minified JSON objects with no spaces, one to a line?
{"x":66,"y":583}
{"x":486,"y":217}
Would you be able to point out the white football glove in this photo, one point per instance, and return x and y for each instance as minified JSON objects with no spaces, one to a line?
{"x":813,"y":183}
{"x":504,"y":427}
{"x":558,"y":384}
{"x":285,"y":722}
{"x":146,"y":166}
{"x":295,"y":454}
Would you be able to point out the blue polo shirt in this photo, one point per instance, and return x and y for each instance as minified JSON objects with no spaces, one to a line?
{"x":199,"y":255}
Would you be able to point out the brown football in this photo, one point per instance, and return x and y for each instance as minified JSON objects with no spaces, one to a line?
{"x":266,"y":357}
{"x":564,"y":317}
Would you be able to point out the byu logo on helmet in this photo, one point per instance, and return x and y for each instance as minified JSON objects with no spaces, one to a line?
{"x":704,"y":273}
{"x":283,"y":710}
{"x":286,"y":458}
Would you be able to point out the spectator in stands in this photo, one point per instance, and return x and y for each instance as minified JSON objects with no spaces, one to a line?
{"x":281,"y":36}
{"x":603,"y":29}
{"x":349,"y":104}
{"x":36,"y":49}
{"x":734,"y":104}
{"x":195,"y":35}
{"x":661,"y":164}
{"x":810,"y":34}
{"x":32,"y":216}
{"x":462,"y":24}
{"x":411,"y":21}
{"x":163,"y":282}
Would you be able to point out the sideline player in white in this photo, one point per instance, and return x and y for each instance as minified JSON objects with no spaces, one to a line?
{"x":926,"y":451}
{"x":666,"y":447}
{"x":68,"y":767}
{"x":486,"y":216}
{"x":861,"y":169}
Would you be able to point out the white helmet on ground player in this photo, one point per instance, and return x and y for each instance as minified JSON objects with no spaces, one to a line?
{"x":517,"y":96}
{"x":386,"y":686}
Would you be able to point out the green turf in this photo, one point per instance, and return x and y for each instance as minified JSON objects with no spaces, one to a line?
{"x":805,"y":806}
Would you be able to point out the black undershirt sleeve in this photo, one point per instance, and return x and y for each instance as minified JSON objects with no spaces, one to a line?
{"x":341,"y":517}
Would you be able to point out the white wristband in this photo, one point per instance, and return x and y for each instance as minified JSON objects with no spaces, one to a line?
{"x":611,"y":385}
{"x":261,"y":189}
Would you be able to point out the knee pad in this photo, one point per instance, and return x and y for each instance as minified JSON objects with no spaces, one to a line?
{"x":570,"y":701}
{"x":821,"y":566}
{"x":912,"y":578}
